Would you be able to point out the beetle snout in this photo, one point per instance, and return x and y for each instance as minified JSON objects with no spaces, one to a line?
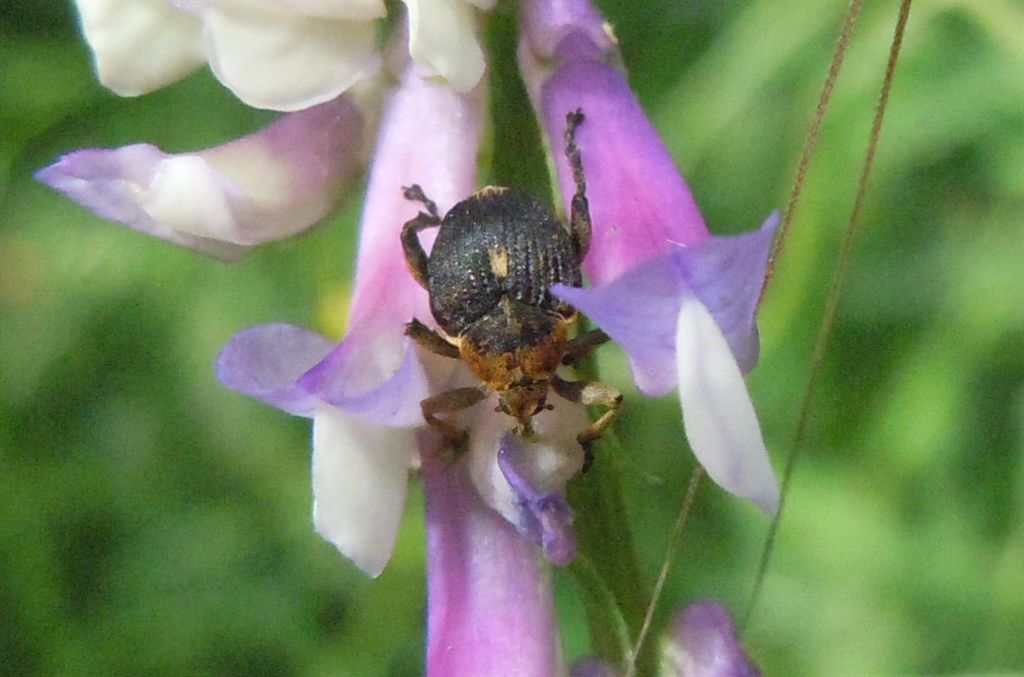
{"x":523,"y":402}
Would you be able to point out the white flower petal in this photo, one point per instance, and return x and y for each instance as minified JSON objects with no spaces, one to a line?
{"x":140,"y":46}
{"x":717,"y":412}
{"x":442,"y":37}
{"x":360,"y":481}
{"x":286,"y":60}
{"x":353,"y":10}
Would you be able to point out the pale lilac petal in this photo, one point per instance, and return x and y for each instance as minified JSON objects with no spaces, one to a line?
{"x":639,"y":203}
{"x":442,"y":38}
{"x":718,"y":415}
{"x":358,"y":378}
{"x":360,"y":481}
{"x":545,"y":518}
{"x":266,"y":362}
{"x":490,"y":604}
{"x":283,"y":60}
{"x":140,"y":46}
{"x":638,"y":311}
{"x":702,"y":642}
{"x":227,"y":199}
{"x":115,"y":184}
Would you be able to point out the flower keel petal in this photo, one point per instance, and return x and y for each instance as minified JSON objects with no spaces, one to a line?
{"x":360,"y":481}
{"x":717,"y":412}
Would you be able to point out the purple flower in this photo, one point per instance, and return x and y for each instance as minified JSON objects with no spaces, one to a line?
{"x":681,"y":302}
{"x":702,"y":642}
{"x":364,"y":394}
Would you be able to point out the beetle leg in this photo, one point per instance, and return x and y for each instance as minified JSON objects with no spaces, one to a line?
{"x":450,"y":401}
{"x":430,"y":339}
{"x":415,"y":257}
{"x":416,"y":194}
{"x":583,"y":345}
{"x":579,"y":219}
{"x":591,"y":394}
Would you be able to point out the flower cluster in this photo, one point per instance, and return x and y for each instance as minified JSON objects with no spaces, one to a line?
{"x":680,"y":301}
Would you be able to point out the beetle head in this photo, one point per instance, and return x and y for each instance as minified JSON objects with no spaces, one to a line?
{"x":516,"y":349}
{"x":522,"y":402}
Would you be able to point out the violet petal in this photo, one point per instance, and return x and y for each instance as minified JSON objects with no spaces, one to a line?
{"x":703,"y":642}
{"x":266,"y":362}
{"x":638,"y":311}
{"x":357,"y":378}
{"x":525,"y":481}
{"x":545,"y":24}
{"x":727,"y":275}
{"x":593,"y":667}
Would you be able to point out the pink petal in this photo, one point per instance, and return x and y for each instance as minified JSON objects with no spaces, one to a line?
{"x":429,"y":135}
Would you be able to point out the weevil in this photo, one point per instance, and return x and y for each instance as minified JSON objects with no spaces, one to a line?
{"x":496,"y":254}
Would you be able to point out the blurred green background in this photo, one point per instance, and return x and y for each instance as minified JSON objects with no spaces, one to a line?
{"x":153,"y":522}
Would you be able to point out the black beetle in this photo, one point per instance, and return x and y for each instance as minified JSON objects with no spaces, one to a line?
{"x":488,"y":274}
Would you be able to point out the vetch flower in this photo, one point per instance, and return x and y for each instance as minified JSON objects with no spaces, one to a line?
{"x":227,"y":199}
{"x":276,"y":54}
{"x":681,"y":302}
{"x":490,"y":608}
{"x":364,"y":394}
{"x":702,"y":642}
